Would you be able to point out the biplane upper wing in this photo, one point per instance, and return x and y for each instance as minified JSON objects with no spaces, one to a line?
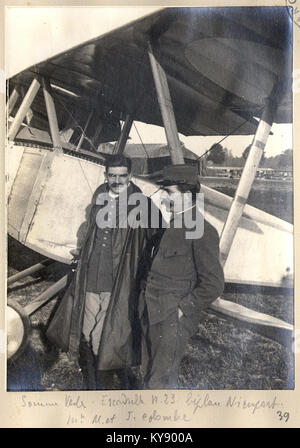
{"x":221,"y":67}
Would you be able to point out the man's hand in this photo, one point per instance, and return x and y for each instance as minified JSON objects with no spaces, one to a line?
{"x":76,"y":254}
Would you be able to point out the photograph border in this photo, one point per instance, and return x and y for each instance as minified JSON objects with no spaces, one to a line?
{"x":53,"y":409}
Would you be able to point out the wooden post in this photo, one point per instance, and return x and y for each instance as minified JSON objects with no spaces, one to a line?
{"x":23,"y":109}
{"x":29,"y":116}
{"x":35,"y":268}
{"x":166,"y":108}
{"x":84,"y":131}
{"x":29,"y":113}
{"x":246,"y":181}
{"x":51,"y":112}
{"x":43,"y":298}
{"x":45,"y":168}
{"x":98,"y":132}
{"x":264,"y":321}
{"x":120,"y":146}
{"x":12,"y":101}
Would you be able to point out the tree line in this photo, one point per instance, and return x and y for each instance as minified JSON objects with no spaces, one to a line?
{"x":221,"y":156}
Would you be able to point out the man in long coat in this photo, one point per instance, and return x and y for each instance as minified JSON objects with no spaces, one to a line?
{"x":96,"y":318}
{"x":184,"y":279}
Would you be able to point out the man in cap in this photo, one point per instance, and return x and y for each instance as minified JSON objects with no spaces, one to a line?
{"x":185,"y":277}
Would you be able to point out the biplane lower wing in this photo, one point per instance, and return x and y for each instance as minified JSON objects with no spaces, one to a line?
{"x":44,"y":193}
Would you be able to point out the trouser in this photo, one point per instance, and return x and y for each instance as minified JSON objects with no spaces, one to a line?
{"x":163,"y":349}
{"x":94,"y":315}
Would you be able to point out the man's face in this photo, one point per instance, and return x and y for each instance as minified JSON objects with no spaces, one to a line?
{"x":172,"y":199}
{"x":118,"y":178}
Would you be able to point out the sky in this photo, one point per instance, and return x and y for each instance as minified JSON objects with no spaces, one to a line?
{"x":35,"y":34}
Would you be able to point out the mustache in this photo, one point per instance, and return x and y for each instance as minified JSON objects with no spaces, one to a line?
{"x":115,"y":184}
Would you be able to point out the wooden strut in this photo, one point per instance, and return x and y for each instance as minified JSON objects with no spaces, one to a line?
{"x":43,"y":298}
{"x":35,"y":268}
{"x":23,"y":109}
{"x":166,"y":108}
{"x":29,"y":113}
{"x":45,"y":168}
{"x":51,"y":112}
{"x":12,"y":101}
{"x":120,"y":146}
{"x":98,"y":131}
{"x":232,"y":223}
{"x":245,"y":184}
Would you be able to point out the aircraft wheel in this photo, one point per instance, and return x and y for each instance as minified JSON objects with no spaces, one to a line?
{"x":18,"y":329}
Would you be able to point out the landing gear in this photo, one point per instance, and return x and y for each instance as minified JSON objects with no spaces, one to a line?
{"x":18,"y":317}
{"x":18,"y":329}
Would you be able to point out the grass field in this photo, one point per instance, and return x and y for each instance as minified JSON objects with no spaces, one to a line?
{"x":224,"y":354}
{"x":272,"y":196}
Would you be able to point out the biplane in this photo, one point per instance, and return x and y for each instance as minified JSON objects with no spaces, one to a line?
{"x":195,"y":71}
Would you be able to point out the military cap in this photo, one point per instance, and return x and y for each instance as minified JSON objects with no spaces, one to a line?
{"x":180,"y":175}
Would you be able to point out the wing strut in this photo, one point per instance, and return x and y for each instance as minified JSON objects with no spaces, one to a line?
{"x":23,"y":109}
{"x":166,"y":108}
{"x":12,"y":101}
{"x":51,"y":112}
{"x":246,"y":181}
{"x":35,"y":268}
{"x":228,"y":308}
{"x":44,"y":171}
{"x":120,"y":146}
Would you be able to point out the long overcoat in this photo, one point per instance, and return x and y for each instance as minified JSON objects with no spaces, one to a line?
{"x":118,"y":347}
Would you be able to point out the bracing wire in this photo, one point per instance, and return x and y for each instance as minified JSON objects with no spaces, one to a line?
{"x":159,"y":188}
{"x":141,"y":140}
{"x":77,"y":124}
{"x":228,"y":135}
{"x":80,"y":127}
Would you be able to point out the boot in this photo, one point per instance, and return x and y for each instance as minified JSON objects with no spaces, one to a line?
{"x":87,"y":364}
{"x":105,"y":380}
{"x":125,"y":379}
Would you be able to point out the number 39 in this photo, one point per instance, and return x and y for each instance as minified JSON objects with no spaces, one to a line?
{"x":283,"y":416}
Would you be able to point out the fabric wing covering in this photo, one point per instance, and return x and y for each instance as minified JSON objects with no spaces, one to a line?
{"x":221,"y":65}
